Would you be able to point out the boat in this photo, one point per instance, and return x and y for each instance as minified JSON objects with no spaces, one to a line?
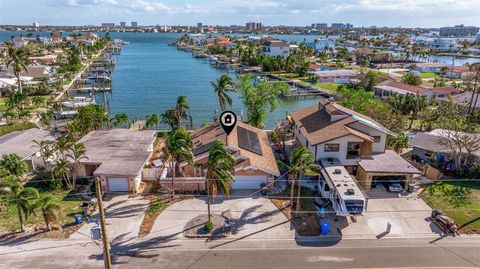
{"x":79,"y":101}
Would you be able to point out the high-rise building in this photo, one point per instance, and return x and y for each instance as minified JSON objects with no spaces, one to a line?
{"x":134,"y":24}
{"x":123,"y":24}
{"x":319,"y":25}
{"x":108,"y":25}
{"x":200,"y":25}
{"x":36,"y":24}
{"x":459,"y":30}
{"x":253,"y":26}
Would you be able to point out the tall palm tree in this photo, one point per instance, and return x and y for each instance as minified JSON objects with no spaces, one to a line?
{"x":221,"y":87}
{"x":46,"y":151}
{"x":63,"y":144}
{"x":76,"y":154}
{"x":18,"y":59}
{"x":152,"y":120}
{"x":220,"y":172}
{"x":179,"y":148}
{"x":301,"y":162}
{"x":50,"y":208}
{"x":169,"y":118}
{"x":62,"y":170}
{"x":182,"y":108}
{"x":14,"y":165}
{"x":22,"y":198}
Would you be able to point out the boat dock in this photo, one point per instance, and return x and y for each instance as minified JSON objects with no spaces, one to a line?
{"x":298,"y":89}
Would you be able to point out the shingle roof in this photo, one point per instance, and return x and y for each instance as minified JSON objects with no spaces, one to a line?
{"x":316,"y":124}
{"x":21,"y":142}
{"x":214,"y":132}
{"x":118,"y":151}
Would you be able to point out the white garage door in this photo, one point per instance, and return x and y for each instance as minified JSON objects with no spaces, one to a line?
{"x":118,"y":184}
{"x":248,"y":182}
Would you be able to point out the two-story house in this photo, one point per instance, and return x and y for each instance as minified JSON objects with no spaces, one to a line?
{"x":330,"y":130}
{"x":276,"y":48}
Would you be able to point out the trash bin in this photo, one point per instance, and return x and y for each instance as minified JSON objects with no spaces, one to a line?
{"x":410,"y":187}
{"x":78,"y":219}
{"x":321,"y":212}
{"x":264,"y":190}
{"x":324,"y":227}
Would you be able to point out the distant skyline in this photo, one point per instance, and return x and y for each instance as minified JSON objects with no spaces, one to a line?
{"x":392,"y":13}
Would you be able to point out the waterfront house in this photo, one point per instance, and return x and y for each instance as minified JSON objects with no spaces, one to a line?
{"x":321,"y":44}
{"x":340,"y":76}
{"x":331,"y":131}
{"x":21,"y":143}
{"x":48,"y":59}
{"x":35,"y":72}
{"x":390,"y":87}
{"x":222,"y":41}
{"x":117,"y":156}
{"x":428,"y":67}
{"x":276,"y":48}
{"x":444,"y":45}
{"x":255,"y":161}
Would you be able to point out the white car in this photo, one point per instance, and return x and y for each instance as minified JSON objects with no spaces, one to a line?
{"x":395,"y":187}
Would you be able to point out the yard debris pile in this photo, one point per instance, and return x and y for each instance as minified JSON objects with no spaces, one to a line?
{"x":445,"y":223}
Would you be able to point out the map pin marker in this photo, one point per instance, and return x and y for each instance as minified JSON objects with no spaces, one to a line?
{"x":228,"y":119}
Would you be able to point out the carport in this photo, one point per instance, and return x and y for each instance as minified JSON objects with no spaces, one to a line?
{"x":387,"y":166}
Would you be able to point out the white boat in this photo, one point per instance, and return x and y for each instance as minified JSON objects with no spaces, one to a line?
{"x":79,"y":101}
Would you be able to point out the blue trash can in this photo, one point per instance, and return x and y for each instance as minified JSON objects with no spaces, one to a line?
{"x":78,"y":219}
{"x":324,"y":227}
{"x":322,"y":212}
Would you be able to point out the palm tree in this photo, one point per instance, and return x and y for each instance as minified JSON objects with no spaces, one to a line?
{"x":62,"y":170}
{"x":63,"y":144}
{"x":46,"y":151}
{"x":38,"y":101}
{"x":182,"y":108}
{"x":14,"y":165}
{"x":179,"y":148}
{"x":76,"y":154}
{"x":302,"y":162}
{"x":220,"y":172}
{"x":169,"y":117}
{"x":22,"y":197}
{"x":221,"y":86}
{"x":152,"y":120}
{"x":50,"y":208}
{"x":18,"y":59}
{"x":121,"y":119}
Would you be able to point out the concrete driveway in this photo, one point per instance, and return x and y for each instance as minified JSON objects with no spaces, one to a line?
{"x":403,"y":217}
{"x":254,"y":217}
{"x":124,"y":216}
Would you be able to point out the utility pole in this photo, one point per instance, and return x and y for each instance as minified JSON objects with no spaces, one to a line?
{"x":106,"y":247}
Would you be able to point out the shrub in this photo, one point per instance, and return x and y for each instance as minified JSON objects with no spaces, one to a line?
{"x":208,"y":226}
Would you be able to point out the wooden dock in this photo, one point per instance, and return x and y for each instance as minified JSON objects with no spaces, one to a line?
{"x":299,"y":89}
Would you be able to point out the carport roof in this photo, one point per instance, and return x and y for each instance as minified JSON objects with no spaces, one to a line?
{"x":388,"y":162}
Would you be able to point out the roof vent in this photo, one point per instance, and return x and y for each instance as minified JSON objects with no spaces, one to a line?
{"x":350,"y":191}
{"x":337,"y":171}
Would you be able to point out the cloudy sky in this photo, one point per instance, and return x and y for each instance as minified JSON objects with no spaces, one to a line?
{"x":422,"y":13}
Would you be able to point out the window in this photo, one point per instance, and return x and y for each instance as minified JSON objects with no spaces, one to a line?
{"x":353,"y":150}
{"x":377,"y":138}
{"x":332,"y":147}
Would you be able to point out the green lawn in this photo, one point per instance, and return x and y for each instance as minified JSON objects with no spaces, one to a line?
{"x":9,"y":218}
{"x":429,"y":75}
{"x":329,"y":86}
{"x":5,"y":129}
{"x":447,"y":196}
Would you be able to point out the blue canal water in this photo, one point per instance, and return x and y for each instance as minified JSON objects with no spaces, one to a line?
{"x":150,"y":75}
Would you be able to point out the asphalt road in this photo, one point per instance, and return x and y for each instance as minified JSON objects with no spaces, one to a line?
{"x":162,"y":253}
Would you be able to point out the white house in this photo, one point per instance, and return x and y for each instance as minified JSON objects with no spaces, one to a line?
{"x":428,"y":67}
{"x":331,"y":131}
{"x":276,"y":48}
{"x":336,"y":76}
{"x":390,"y":87}
{"x":444,"y":44}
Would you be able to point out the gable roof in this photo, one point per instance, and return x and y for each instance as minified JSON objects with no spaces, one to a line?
{"x":204,"y":137}
{"x":316,"y":123}
{"x":118,"y":151}
{"x":21,"y":142}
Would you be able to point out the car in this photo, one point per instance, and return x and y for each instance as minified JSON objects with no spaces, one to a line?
{"x":395,"y":187}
